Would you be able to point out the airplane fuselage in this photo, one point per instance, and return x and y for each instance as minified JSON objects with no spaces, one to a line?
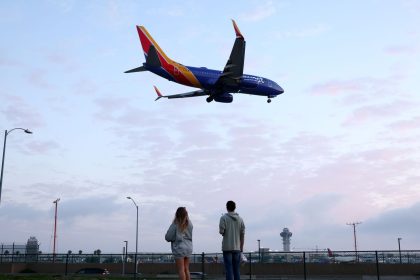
{"x":207,"y":78}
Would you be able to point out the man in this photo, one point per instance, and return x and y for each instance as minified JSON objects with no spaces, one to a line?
{"x":232,"y":228}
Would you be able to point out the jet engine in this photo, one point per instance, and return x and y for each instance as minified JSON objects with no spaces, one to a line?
{"x":223,"y":98}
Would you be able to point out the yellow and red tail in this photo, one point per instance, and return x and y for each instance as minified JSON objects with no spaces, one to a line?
{"x":156,"y":57}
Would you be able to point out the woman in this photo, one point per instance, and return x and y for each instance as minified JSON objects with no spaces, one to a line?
{"x":180,"y":236}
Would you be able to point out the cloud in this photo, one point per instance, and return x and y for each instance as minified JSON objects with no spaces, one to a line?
{"x":174,"y":11}
{"x":19,"y":112}
{"x":9,"y":62}
{"x":85,"y":86}
{"x":337,"y":87}
{"x":378,"y":112}
{"x":261,"y":12}
{"x":395,"y":222}
{"x":304,"y":32}
{"x":409,"y":126}
{"x":38,"y":79}
{"x":63,"y":61}
{"x":366,"y":86}
{"x":402,"y":50}
{"x":42,"y":147}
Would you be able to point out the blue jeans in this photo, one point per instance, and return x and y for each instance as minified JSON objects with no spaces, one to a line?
{"x":232,"y":260}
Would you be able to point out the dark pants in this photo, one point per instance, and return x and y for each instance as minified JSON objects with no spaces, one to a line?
{"x":232,"y":260}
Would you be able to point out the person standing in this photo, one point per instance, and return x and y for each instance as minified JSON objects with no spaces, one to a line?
{"x":180,"y":236}
{"x":232,"y":228}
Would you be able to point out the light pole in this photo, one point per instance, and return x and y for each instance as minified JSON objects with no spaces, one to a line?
{"x":4,"y":152}
{"x":125,"y":256}
{"x":137,"y":236}
{"x":259,"y":251}
{"x":399,"y":248}
{"x":55,"y":226}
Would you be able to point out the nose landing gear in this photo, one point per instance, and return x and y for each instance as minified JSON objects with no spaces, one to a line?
{"x":209,"y":99}
{"x":269,"y":100}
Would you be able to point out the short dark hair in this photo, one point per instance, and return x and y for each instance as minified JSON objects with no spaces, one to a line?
{"x":230,"y":206}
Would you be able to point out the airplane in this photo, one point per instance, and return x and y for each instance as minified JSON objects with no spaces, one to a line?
{"x":216,"y":85}
{"x":341,"y":259}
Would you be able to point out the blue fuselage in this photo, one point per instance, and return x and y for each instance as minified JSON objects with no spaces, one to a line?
{"x":247,"y":84}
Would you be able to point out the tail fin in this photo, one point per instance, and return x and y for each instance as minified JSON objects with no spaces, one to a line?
{"x":149,"y":45}
{"x":330,"y":253}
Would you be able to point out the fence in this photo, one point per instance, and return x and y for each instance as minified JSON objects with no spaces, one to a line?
{"x":304,"y":264}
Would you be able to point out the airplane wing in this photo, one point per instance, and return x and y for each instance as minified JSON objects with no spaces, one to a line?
{"x":181,"y":95}
{"x":234,"y":68}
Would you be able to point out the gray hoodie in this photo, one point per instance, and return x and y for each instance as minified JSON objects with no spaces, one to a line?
{"x":181,"y":242}
{"x":232,"y":227}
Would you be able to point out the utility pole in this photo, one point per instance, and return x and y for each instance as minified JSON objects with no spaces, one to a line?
{"x":354,"y":224}
{"x":55,"y":226}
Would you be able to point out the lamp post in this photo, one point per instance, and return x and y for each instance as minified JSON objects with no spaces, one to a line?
{"x":55,"y":226}
{"x":259,"y":251}
{"x":399,"y":248}
{"x":4,"y":152}
{"x":137,"y":236}
{"x":125,"y":256}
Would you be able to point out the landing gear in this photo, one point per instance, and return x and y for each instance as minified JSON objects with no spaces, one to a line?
{"x":209,"y":99}
{"x":268,"y":100}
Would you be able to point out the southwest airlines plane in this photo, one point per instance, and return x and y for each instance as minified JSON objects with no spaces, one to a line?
{"x":216,"y":85}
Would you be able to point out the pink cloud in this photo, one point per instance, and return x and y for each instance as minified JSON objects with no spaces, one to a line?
{"x":85,"y":87}
{"x":39,"y":79}
{"x":7,"y":62}
{"x":369,"y":113}
{"x":401,"y":50}
{"x":63,"y":61}
{"x":365,"y":86}
{"x":19,"y":113}
{"x":406,"y":125}
{"x":44,"y":147}
{"x":337,"y":87}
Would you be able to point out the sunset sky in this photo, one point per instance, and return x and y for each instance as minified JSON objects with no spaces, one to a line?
{"x":341,"y":145}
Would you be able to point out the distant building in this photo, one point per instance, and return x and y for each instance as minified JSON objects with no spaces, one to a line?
{"x":285,"y":235}
{"x":30,"y":250}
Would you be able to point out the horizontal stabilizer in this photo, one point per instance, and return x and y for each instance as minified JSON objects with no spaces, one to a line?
{"x":138,"y":69}
{"x":181,"y":95}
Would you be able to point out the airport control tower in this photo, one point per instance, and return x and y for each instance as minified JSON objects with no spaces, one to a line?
{"x":286,"y":234}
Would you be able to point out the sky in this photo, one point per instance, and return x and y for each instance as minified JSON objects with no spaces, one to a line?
{"x":341,"y":145}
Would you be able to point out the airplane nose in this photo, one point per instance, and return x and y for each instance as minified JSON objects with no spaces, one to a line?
{"x":281,"y":90}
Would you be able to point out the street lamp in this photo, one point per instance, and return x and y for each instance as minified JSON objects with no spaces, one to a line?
{"x":4,"y":152}
{"x":399,"y":248}
{"x":55,"y":226}
{"x":137,"y":236}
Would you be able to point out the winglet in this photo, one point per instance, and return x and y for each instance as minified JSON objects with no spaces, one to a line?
{"x":237,"y":31}
{"x":158,"y":93}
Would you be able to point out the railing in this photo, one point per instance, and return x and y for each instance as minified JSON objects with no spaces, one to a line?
{"x":381,"y":257}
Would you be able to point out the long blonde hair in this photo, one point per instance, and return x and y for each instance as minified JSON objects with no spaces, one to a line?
{"x":181,"y":218}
